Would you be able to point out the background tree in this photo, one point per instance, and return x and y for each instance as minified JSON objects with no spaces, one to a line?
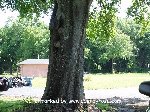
{"x":118,"y":47}
{"x":35,"y":41}
{"x":22,"y":39}
{"x":100,"y":29}
{"x":103,"y":48}
{"x":141,"y":42}
{"x":11,"y":37}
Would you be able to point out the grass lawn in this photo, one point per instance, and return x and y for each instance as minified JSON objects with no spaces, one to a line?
{"x":10,"y":106}
{"x":105,"y":81}
{"x":39,"y":82}
{"x":110,"y":81}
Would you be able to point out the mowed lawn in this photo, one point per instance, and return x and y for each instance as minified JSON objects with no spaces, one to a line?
{"x":104,"y":81}
{"x":110,"y":81}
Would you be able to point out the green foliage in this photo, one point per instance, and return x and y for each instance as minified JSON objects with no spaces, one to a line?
{"x":101,"y":24}
{"x":140,"y":12}
{"x":101,"y":48}
{"x":27,"y":8}
{"x":23,"y":39}
{"x":128,"y":47}
{"x":36,"y":41}
{"x":11,"y":37}
{"x":120,"y":46}
{"x":100,"y":30}
{"x":141,"y":42}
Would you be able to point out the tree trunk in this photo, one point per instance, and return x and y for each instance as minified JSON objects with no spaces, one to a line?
{"x":65,"y":73}
{"x":112,"y":66}
{"x":11,"y":64}
{"x":10,"y":69}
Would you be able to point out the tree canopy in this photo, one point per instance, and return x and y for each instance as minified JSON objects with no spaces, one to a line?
{"x":22,"y":39}
{"x":27,"y":8}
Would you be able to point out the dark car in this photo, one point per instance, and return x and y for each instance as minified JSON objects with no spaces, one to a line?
{"x":4,"y":84}
{"x":19,"y":81}
{"x":15,"y":82}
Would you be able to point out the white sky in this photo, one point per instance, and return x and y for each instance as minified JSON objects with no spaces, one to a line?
{"x":6,"y":14}
{"x":123,"y":7}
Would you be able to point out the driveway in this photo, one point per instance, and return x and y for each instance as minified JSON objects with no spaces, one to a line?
{"x":89,"y":94}
{"x":125,"y":99}
{"x":23,"y":92}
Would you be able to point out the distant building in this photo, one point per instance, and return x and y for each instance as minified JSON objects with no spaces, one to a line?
{"x":34,"y":67}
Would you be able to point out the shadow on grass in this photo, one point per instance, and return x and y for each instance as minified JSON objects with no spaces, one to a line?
{"x":128,"y":104}
{"x":1,"y":94}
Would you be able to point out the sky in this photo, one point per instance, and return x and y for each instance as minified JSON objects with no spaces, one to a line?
{"x":6,"y":14}
{"x":123,"y":8}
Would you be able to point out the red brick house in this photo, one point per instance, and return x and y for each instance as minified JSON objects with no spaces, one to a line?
{"x":34,"y":67}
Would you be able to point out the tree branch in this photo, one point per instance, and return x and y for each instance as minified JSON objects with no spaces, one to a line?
{"x":89,"y":3}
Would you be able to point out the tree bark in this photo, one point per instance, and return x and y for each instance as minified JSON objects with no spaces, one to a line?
{"x":11,"y":64}
{"x":112,"y":66}
{"x":10,"y":69}
{"x":65,"y":73}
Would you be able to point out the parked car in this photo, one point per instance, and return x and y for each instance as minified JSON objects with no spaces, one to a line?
{"x":16,"y":82}
{"x":27,"y":81}
{"x":19,"y":81}
{"x":4,"y":84}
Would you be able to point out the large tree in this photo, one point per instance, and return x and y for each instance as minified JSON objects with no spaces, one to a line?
{"x":67,"y":27}
{"x":65,"y":75}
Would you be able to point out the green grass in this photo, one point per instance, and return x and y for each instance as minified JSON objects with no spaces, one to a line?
{"x":110,"y":81}
{"x":104,"y":81}
{"x":15,"y":104}
{"x":10,"y":106}
{"x":8,"y":75}
{"x":23,"y":106}
{"x":103,"y":106}
{"x":39,"y":82}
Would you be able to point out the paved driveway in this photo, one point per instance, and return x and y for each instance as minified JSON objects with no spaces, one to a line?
{"x":23,"y":92}
{"x":89,"y":94}
{"x":120,"y":97}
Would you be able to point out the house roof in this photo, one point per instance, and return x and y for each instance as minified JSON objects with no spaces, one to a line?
{"x":35,"y":61}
